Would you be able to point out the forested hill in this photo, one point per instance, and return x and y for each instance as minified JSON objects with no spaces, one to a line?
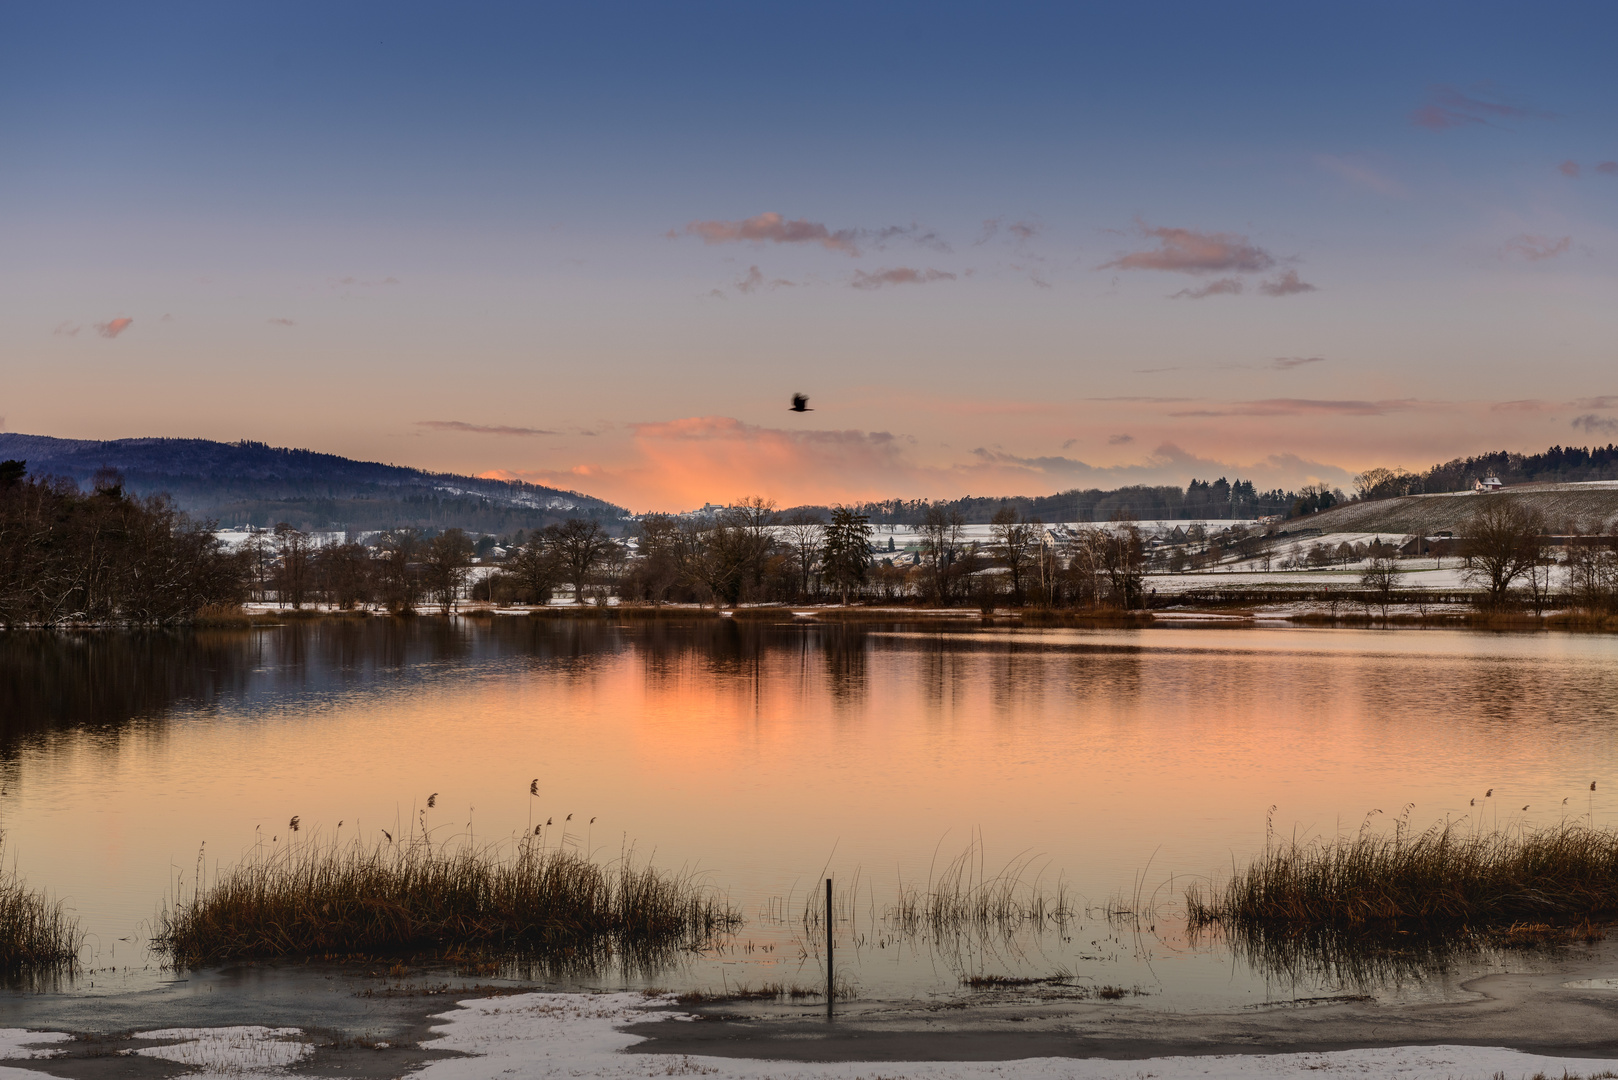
{"x":252,"y":483}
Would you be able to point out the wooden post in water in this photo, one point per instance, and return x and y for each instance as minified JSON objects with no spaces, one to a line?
{"x":829,"y":983}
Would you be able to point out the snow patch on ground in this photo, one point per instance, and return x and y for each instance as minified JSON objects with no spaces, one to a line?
{"x":575,"y":1035}
{"x":19,"y":1044}
{"x":229,"y":1051}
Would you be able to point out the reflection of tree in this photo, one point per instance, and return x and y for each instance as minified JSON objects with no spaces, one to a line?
{"x":844,"y":650}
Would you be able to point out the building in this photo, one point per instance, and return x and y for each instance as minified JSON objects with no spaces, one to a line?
{"x":1488,"y":484}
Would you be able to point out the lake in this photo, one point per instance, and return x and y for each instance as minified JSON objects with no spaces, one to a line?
{"x":1114,"y":766}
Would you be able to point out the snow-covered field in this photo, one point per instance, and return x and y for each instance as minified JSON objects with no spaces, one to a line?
{"x":579,"y":1035}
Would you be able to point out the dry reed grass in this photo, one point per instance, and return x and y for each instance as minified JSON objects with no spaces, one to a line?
{"x":323,"y":899}
{"x":36,"y":935}
{"x":1564,"y":875}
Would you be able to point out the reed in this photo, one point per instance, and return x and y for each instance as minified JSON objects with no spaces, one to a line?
{"x":331,"y":900}
{"x":36,"y":935}
{"x":1446,"y":878}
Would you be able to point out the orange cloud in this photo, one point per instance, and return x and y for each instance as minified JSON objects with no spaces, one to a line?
{"x":1187,"y":251}
{"x":113,"y":327}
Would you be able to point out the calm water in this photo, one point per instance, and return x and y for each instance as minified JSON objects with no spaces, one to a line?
{"x":1120,"y":763}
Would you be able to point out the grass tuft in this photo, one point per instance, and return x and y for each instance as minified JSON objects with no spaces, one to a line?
{"x":36,"y":935}
{"x":317,"y":899}
{"x":1564,"y":876}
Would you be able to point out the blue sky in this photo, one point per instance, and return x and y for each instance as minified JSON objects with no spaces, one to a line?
{"x":1004,"y":249}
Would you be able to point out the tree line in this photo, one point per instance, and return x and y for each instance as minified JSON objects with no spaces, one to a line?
{"x":1569,"y":464}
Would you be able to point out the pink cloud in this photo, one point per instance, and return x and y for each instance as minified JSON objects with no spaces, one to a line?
{"x":775,"y":229}
{"x":1287,"y":284}
{"x":113,"y":327}
{"x":899,"y":275}
{"x":1568,"y":168}
{"x":1537,"y":248}
{"x":1607,"y":167}
{"x":1450,"y":108}
{"x":1225,"y":286}
{"x":1187,"y":251}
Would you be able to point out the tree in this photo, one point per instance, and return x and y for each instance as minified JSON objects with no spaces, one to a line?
{"x":446,"y":566}
{"x":1123,"y":558}
{"x":1503,"y":541}
{"x":846,"y":550}
{"x":1592,"y":568}
{"x":292,"y":571}
{"x":533,"y":570}
{"x":580,"y":545}
{"x":399,"y":569}
{"x":803,"y":535}
{"x":343,"y":573}
{"x":941,"y":532}
{"x":1015,"y":541}
{"x":1379,"y":578}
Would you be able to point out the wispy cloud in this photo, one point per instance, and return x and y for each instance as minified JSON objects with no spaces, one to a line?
{"x":1301,"y":407}
{"x":1610,"y":168}
{"x":1188,"y":251}
{"x":480,"y":429}
{"x":1288,"y":284}
{"x":773,"y":228}
{"x":1596,"y":425}
{"x":899,"y":275}
{"x":1225,"y":286}
{"x":1568,"y":168}
{"x":1536,"y":248}
{"x":1115,"y":440}
{"x":1287,"y":363}
{"x":67,"y":329}
{"x":1360,"y":175}
{"x":754,"y":280}
{"x":113,"y":327}
{"x":280,"y":321}
{"x":1448,"y":107}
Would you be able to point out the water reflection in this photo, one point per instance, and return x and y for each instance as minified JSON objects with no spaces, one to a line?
{"x":772,"y":754}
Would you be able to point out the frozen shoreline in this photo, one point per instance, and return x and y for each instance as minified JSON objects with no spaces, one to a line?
{"x":607,"y":1035}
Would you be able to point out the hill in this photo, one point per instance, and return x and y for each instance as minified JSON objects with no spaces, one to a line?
{"x":1565,"y":507}
{"x":250,"y":483}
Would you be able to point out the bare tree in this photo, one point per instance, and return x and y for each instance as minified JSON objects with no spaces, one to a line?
{"x":1379,"y":578}
{"x":802,"y":533}
{"x":292,"y":571}
{"x":941,"y":546}
{"x":1015,"y":541}
{"x":1504,"y":540}
{"x":580,"y":545}
{"x":534,"y":570}
{"x":446,"y":566}
{"x":400,"y":569}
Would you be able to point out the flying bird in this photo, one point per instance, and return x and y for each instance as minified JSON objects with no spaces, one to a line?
{"x":800,"y":403}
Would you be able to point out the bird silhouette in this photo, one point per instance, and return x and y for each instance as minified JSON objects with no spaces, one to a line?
{"x":800,"y":403}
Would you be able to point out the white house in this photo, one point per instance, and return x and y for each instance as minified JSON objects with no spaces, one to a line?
{"x":1487,"y":484}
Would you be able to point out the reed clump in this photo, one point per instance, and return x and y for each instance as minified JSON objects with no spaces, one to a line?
{"x":37,"y":936}
{"x":317,"y":899}
{"x":1444,"y":879}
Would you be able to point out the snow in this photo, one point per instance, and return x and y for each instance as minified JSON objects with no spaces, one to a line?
{"x":574,"y":1035}
{"x":229,"y":1051}
{"x":19,"y":1044}
{"x":579,"y":1035}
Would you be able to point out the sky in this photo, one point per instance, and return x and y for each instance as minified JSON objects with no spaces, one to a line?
{"x":1005,"y":249}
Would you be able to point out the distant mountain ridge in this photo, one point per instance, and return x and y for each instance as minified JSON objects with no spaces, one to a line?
{"x":252,"y":483}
